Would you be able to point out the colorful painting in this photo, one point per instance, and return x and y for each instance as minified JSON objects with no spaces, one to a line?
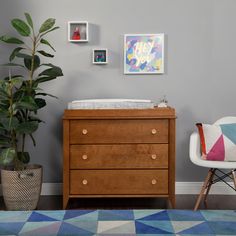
{"x":144,"y":54}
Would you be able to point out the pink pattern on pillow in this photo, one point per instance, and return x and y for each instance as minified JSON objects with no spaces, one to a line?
{"x":217,"y":152}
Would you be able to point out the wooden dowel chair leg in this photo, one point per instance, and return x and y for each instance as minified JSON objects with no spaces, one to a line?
{"x":209,"y":186}
{"x":204,"y":186}
{"x":234,"y":178}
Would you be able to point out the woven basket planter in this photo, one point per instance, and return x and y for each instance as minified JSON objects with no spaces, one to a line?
{"x":21,"y":189}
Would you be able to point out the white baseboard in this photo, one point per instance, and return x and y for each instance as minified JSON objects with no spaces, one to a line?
{"x":181,"y":188}
{"x":195,"y":187}
{"x":51,"y":189}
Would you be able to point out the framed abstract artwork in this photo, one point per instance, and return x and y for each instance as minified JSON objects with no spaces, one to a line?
{"x":144,"y":54}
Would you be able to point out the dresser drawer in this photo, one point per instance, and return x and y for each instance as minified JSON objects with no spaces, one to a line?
{"x":118,"y":131}
{"x":119,"y":156}
{"x":98,"y":182}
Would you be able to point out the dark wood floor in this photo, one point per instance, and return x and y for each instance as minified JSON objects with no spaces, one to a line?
{"x":182,"y":202}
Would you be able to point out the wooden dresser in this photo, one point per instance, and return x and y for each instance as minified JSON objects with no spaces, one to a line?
{"x":119,"y":153}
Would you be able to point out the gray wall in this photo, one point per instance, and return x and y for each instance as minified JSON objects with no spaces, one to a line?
{"x":199,"y":81}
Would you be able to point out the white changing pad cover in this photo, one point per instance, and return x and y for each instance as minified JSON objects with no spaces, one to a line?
{"x":111,"y":104}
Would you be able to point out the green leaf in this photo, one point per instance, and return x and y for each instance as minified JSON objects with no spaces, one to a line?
{"x":27,"y":127}
{"x":48,"y":24}
{"x":7,"y":156}
{"x":23,"y":55}
{"x":33,"y":140}
{"x":48,"y":64}
{"x":13,"y":76}
{"x":17,"y":81}
{"x":52,"y":72}
{"x":45,"y":53}
{"x":13,"y":54}
{"x":44,"y":79}
{"x":28,"y":62}
{"x":13,"y":40}
{"x":12,"y":64}
{"x":3,"y":113}
{"x":34,"y":118}
{"x":21,"y":27}
{"x":4,"y":143}
{"x":9,"y":123}
{"x":4,"y":101}
{"x":55,"y":28}
{"x":40,"y":102}
{"x":29,"y":20}
{"x":18,"y":95}
{"x":46,"y":94}
{"x":44,"y":41}
{"x":27,"y":102}
{"x":3,"y":94}
{"x":23,"y":157}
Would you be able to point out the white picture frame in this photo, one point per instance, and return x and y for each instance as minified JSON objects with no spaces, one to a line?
{"x":144,"y":53}
{"x":100,"y":56}
{"x":78,"y":31}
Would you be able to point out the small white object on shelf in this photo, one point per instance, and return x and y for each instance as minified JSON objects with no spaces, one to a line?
{"x":163,"y":102}
{"x":78,"y":31}
{"x":111,"y":104}
{"x":100,"y":56}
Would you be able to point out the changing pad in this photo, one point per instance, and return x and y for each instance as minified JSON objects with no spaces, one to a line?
{"x":111,"y":104}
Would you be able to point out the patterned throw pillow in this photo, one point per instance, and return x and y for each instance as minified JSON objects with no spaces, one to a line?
{"x":218,"y":142}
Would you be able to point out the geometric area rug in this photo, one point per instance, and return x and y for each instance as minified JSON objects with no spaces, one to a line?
{"x":118,"y":222}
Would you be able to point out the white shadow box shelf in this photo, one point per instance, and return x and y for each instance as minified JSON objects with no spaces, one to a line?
{"x":78,"y":31}
{"x":100,"y":56}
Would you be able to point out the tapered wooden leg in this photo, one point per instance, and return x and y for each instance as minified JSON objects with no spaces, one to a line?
{"x":234,"y":178}
{"x":65,"y":202}
{"x":209,"y":186}
{"x":204,"y":186}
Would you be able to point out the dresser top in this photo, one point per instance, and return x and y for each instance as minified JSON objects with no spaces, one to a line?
{"x":167,"y":112}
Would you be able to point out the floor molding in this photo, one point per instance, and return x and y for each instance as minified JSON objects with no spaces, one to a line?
{"x":195,"y":187}
{"x":181,"y":188}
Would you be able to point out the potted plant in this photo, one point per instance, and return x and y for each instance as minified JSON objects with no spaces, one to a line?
{"x":20,"y":99}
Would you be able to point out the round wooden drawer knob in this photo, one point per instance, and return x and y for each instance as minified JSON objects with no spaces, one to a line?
{"x":154,"y":156}
{"x":85,"y":181}
{"x":84,"y":157}
{"x":154,"y":131}
{"x":84,"y":131}
{"x":154,"y":181}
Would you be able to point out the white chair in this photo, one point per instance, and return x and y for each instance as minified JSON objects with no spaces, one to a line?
{"x":217,"y":169}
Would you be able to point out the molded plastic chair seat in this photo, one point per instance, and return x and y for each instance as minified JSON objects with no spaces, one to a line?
{"x":195,"y":157}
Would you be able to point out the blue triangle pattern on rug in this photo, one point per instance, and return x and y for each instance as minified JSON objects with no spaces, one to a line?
{"x":185,"y":215}
{"x":68,"y":229}
{"x":163,"y":215}
{"x":223,"y":227}
{"x":76,"y":213}
{"x":10,"y":228}
{"x":118,"y":222}
{"x":219,"y":215}
{"x":160,"y":224}
{"x":147,"y":229}
{"x":116,"y":215}
{"x":37,"y":217}
{"x":202,"y":229}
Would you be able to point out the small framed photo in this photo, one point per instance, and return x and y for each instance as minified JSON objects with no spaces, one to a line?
{"x":144,"y":54}
{"x":78,"y":31}
{"x":100,"y":56}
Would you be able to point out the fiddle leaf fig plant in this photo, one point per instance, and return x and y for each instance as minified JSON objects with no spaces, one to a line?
{"x":20,"y":95}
